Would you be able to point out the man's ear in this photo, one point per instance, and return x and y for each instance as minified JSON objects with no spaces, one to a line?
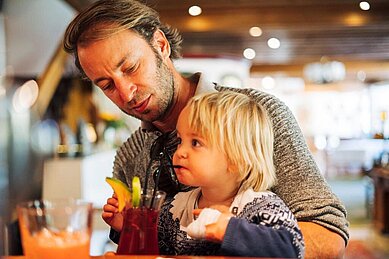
{"x":161,"y":44}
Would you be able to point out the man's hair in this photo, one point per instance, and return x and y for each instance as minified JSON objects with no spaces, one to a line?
{"x":238,"y":127}
{"x":107,"y":17}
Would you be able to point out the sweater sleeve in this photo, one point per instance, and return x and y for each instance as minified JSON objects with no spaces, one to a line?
{"x":299,"y":181}
{"x":124,"y":163}
{"x":124,"y":166}
{"x":250,"y":240}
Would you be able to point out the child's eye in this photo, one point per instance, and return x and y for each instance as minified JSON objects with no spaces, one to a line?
{"x":195,"y":143}
{"x":179,"y":140}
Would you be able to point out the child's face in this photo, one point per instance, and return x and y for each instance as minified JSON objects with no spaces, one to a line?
{"x":200,"y":164}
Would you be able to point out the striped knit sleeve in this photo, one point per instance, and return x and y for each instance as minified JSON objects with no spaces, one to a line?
{"x":125,"y":155}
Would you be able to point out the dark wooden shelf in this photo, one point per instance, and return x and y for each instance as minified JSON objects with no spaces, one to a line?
{"x":381,"y":199}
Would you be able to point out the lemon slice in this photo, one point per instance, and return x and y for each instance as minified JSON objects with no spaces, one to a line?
{"x":122,"y":192}
{"x":136,"y":191}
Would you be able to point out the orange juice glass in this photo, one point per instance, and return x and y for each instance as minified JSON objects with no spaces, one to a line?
{"x":58,"y":229}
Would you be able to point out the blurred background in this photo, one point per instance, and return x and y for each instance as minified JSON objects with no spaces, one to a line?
{"x":327,"y":60}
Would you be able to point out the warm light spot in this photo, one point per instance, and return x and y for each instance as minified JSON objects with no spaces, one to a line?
{"x":365,"y":6}
{"x":45,"y":137}
{"x":255,"y":31}
{"x":194,"y":10}
{"x":25,"y":96}
{"x":268,"y":82}
{"x":198,"y":24}
{"x":361,"y":75}
{"x":249,"y":53}
{"x":274,"y":43}
{"x":320,"y":142}
{"x":354,"y":20}
{"x":91,"y":133}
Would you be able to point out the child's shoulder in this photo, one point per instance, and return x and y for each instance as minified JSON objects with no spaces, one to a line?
{"x":259,"y":198}
{"x":182,"y":205}
{"x":186,"y":196}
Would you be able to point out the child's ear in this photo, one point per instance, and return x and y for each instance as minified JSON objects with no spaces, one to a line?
{"x":233,"y":169}
{"x":161,"y":44}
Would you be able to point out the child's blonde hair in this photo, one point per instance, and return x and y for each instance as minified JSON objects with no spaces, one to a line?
{"x":240,"y":128}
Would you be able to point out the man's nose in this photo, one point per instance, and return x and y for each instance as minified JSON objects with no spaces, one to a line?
{"x":126,"y":90}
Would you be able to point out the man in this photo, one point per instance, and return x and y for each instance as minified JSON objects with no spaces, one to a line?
{"x":124,"y":49}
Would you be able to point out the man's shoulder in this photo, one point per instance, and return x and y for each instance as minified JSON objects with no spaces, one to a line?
{"x":270,"y":102}
{"x":255,"y":93}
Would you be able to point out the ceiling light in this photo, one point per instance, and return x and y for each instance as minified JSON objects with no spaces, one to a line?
{"x":274,"y":43}
{"x":364,"y":5}
{"x":249,"y":53}
{"x":255,"y":31}
{"x":268,"y":82}
{"x":194,"y":10}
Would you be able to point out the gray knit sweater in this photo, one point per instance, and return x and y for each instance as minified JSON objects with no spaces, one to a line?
{"x":299,"y":182}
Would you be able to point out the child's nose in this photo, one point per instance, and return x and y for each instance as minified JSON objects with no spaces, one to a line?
{"x":180,"y":152}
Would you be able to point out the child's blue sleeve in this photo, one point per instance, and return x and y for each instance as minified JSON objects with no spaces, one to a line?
{"x":254,"y":240}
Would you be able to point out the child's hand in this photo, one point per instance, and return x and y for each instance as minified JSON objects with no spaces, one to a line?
{"x":111,"y":214}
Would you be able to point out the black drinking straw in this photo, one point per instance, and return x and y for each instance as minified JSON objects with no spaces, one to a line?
{"x":146,"y":181}
{"x":171,"y":167}
{"x":156,"y":180}
{"x":155,"y":153}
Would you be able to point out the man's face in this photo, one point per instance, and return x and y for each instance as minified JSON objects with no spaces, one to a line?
{"x":130,"y":73}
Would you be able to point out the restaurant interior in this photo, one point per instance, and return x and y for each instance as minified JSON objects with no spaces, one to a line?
{"x":327,"y":60}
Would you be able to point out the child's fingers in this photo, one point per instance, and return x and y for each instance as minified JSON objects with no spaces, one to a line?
{"x":110,"y":208}
{"x":107,"y":215}
{"x":113,"y":202}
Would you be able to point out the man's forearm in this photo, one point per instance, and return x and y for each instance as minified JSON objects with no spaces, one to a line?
{"x":321,"y":242}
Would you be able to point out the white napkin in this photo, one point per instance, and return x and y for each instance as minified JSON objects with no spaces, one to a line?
{"x":196,"y":229}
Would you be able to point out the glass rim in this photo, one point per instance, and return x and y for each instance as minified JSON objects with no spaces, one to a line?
{"x":151,"y":190}
{"x":36,"y":203}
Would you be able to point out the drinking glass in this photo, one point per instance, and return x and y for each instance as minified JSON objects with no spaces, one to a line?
{"x":58,"y":229}
{"x":140,"y":227}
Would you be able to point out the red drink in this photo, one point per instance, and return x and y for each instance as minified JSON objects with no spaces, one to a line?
{"x":140,"y":234}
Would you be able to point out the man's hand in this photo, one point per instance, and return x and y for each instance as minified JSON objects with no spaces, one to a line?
{"x":321,"y":242}
{"x":215,"y":231}
{"x":111,"y":214}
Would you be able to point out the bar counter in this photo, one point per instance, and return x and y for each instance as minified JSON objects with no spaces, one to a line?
{"x":146,"y":257}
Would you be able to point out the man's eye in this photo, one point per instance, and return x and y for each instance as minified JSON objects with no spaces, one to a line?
{"x":107,"y":87}
{"x":130,"y":70}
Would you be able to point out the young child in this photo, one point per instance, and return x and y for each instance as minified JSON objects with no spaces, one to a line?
{"x":226,"y":150}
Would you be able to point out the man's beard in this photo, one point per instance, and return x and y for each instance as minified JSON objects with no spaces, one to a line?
{"x":166,"y":83}
{"x":164,"y":93}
